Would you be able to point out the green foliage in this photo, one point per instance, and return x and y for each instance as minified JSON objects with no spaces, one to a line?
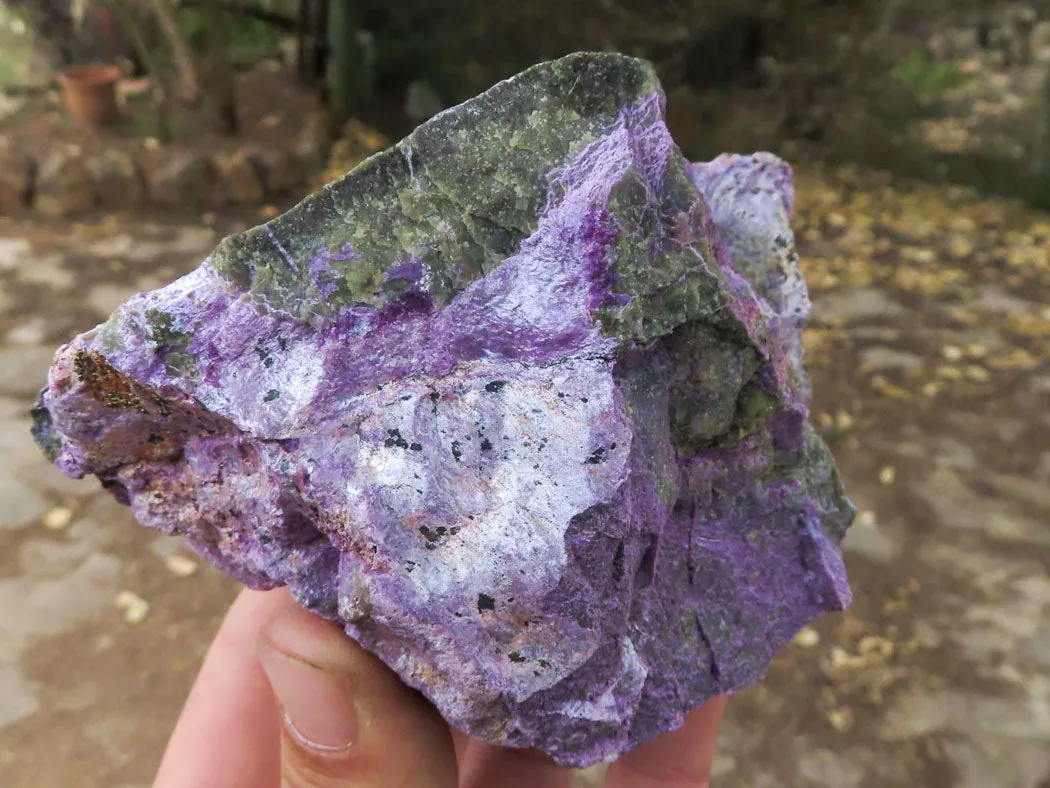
{"x":929,"y":79}
{"x":16,"y":46}
{"x":11,"y":16}
{"x":250,"y":39}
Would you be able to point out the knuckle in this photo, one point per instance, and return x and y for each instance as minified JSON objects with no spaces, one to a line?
{"x":302,"y":767}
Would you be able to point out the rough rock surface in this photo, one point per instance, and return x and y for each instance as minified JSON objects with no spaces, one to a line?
{"x":278,"y":169}
{"x":518,"y":401}
{"x":116,"y":180}
{"x":185,"y":179}
{"x":238,"y":181}
{"x":63,"y":185}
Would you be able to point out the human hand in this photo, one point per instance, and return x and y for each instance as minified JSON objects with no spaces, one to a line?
{"x":349,"y":722}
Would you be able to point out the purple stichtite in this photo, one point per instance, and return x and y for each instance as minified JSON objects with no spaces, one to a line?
{"x":519,"y":402}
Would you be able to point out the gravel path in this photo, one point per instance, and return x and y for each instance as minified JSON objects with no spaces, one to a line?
{"x":929,"y":359}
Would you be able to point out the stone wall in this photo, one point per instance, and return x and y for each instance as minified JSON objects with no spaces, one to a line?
{"x":68,"y":181}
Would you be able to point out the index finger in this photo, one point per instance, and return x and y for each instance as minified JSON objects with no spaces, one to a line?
{"x":679,"y":759}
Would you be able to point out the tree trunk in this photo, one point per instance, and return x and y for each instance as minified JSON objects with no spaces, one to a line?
{"x":319,"y":42}
{"x":221,"y":75}
{"x":161,"y":94}
{"x":189,"y":87}
{"x":304,"y":39}
{"x":349,"y":79}
{"x":313,"y":15}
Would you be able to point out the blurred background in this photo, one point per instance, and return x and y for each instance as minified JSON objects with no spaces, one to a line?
{"x":134,"y":134}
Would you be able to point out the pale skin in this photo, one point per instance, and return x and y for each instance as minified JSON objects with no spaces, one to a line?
{"x":346,"y":721}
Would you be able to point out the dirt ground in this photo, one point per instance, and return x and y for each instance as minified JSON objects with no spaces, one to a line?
{"x":929,"y":358}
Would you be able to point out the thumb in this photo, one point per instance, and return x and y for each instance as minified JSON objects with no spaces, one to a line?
{"x":348,"y":722}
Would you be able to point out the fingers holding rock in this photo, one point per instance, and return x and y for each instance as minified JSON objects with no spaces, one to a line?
{"x":348,"y":722}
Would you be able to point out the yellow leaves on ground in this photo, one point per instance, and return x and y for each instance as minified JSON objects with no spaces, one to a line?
{"x":863,"y":658}
{"x":917,"y":280}
{"x":929,"y":225}
{"x":888,"y":389}
{"x":959,"y":247}
{"x":956,"y":259}
{"x":1018,"y":358}
{"x":1030,"y":324}
{"x":357,"y":141}
{"x":977,"y":374}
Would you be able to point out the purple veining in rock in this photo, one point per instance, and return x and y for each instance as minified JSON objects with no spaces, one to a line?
{"x":519,"y":402}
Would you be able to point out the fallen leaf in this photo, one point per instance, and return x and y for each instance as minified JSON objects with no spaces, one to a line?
{"x":840,"y":719}
{"x":840,"y":659}
{"x":892,"y":390}
{"x":836,"y":219}
{"x":807,"y":637}
{"x":844,"y":421}
{"x":1018,"y":358}
{"x":180,"y":565}
{"x":58,"y":518}
{"x":873,"y":645}
{"x":134,"y":607}
{"x":960,"y":248}
{"x":978,"y":374}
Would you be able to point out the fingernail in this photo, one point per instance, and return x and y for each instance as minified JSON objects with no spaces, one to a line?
{"x":318,"y":708}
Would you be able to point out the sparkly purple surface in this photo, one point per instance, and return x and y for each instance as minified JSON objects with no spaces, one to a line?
{"x":491,"y":493}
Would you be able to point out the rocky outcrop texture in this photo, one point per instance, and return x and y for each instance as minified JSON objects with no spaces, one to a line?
{"x":518,"y":401}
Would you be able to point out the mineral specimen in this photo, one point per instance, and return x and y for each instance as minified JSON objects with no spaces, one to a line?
{"x":519,"y":402}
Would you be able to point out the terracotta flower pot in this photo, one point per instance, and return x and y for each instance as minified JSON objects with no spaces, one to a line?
{"x":90,"y":94}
